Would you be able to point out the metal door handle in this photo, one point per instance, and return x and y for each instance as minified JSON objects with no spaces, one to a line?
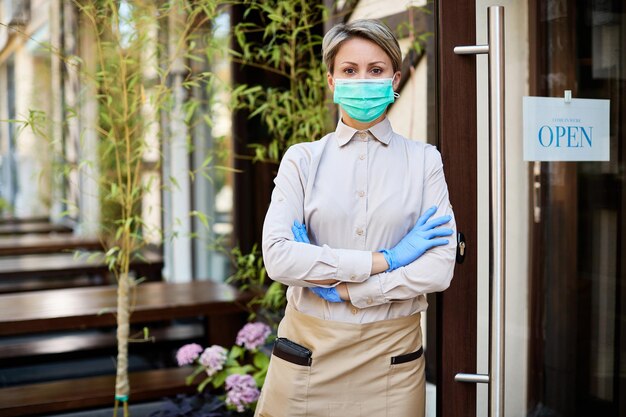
{"x":537,"y":191}
{"x":475,"y":378}
{"x":495,"y":50}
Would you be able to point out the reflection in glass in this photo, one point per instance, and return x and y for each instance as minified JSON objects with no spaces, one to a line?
{"x":578,"y":328}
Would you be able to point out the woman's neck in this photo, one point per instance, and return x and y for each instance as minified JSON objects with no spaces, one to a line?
{"x":355,"y":124}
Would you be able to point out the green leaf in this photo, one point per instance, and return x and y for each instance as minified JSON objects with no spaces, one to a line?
{"x":202,"y":217}
{"x":242,"y":370}
{"x":112,"y":251}
{"x":236,"y":352}
{"x":199,"y":369}
{"x":232,"y":362}
{"x":259,"y":377}
{"x":261,"y":360}
{"x":204,"y":383}
{"x":219,"y":378}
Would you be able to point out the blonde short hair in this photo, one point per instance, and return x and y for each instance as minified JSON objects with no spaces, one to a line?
{"x":370,"y":29}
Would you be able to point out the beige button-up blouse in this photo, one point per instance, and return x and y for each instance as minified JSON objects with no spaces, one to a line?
{"x":357,"y":192}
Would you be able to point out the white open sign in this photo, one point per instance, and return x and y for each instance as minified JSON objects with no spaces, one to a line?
{"x":556,"y":129}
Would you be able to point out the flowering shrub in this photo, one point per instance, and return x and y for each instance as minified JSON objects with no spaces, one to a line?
{"x":213,"y":359}
{"x":240,"y":371}
{"x":187,"y":354}
{"x":253,"y":335}
{"x":241,"y":390}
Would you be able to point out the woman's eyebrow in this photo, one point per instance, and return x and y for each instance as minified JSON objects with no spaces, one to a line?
{"x":370,"y":63}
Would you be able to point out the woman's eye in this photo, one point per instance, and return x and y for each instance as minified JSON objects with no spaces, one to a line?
{"x":377,"y":71}
{"x":349,"y":71}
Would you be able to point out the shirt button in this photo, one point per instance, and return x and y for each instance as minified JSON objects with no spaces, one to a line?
{"x":359,"y":231}
{"x":361,"y":193}
{"x":362,"y":135}
{"x":361,"y":157}
{"x":369,"y":300}
{"x":353,"y":277}
{"x":354,"y":310}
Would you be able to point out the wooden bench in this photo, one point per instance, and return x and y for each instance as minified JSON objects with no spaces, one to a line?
{"x":42,"y":312}
{"x":91,"y":307}
{"x":53,"y":243}
{"x":60,"y":270}
{"x":8,"y":229}
{"x":58,"y":396}
{"x":17,"y":220}
{"x":84,"y":344}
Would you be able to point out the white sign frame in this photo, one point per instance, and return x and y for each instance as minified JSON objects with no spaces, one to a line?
{"x":558,"y":129}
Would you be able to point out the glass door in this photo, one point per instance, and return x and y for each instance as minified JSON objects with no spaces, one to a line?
{"x":577,"y":323}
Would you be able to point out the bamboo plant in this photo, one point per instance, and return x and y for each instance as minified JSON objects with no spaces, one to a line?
{"x":135,"y":79}
{"x":135,"y":73}
{"x":290,"y":47}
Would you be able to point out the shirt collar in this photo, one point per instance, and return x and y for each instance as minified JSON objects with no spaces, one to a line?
{"x":382,"y":131}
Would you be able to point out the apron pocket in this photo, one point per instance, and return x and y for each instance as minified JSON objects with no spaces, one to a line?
{"x":285,"y":392}
{"x":406,"y":385}
{"x":397,"y":360}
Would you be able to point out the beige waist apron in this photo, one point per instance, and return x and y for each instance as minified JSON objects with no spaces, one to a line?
{"x":351,"y":374}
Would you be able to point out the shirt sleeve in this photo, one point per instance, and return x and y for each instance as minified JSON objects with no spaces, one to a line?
{"x":431,"y":272}
{"x":291,"y":262}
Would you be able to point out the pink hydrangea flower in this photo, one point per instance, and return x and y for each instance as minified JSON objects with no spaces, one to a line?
{"x":253,"y":335}
{"x":241,"y":390}
{"x":188,"y":353}
{"x":213,"y":359}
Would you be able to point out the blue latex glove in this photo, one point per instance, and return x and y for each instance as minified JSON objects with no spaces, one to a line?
{"x":420,"y":239}
{"x":329,"y":294}
{"x":299,"y":232}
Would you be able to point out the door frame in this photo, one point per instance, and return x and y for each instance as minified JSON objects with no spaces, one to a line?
{"x":456,"y":125}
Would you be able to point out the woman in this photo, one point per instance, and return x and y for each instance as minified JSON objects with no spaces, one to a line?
{"x":350,"y":342}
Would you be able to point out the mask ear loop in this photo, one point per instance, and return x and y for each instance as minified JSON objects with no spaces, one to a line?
{"x":395,"y":94}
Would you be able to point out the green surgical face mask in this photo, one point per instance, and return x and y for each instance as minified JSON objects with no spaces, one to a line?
{"x":364,"y":99}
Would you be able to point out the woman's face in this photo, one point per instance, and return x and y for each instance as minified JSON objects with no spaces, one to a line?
{"x":361,"y":58}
